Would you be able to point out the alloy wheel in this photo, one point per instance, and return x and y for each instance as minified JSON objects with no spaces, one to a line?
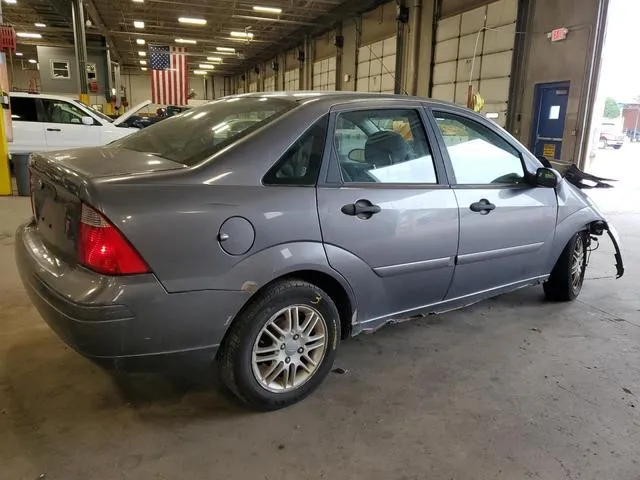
{"x":289,"y":349}
{"x":577,"y":263}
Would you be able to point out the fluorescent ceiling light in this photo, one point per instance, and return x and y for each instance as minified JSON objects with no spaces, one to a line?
{"x":226,"y":49}
{"x":138,"y":1}
{"x":242,"y":34}
{"x":206,"y":66}
{"x":143,"y":62}
{"x":138,"y":24}
{"x":186,"y":40}
{"x":140,"y":41}
{"x":257,"y":8}
{"x":19,"y":54}
{"x":31,"y":60}
{"x":144,"y":69}
{"x":214,"y":59}
{"x":200,"y":72}
{"x":142,"y":53}
{"x":11,"y":1}
{"x":192,"y":21}
{"x":28,"y":35}
{"x":39,"y":25}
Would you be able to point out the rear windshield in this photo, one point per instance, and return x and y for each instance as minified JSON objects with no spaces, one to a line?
{"x":195,"y":135}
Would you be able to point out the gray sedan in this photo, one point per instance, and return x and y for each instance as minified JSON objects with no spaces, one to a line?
{"x":257,"y":231}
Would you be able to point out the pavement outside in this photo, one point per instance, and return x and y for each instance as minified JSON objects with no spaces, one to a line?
{"x":512,"y":388}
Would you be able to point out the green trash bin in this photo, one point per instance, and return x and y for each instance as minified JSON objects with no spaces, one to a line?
{"x":21,"y":172}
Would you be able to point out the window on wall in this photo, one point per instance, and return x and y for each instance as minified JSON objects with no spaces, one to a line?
{"x":324,"y":74}
{"x":60,"y":69}
{"x":377,"y":67}
{"x":270,"y":84}
{"x":292,"y":80}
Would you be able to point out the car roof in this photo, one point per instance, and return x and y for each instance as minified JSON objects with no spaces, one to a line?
{"x":339,"y":97}
{"x":41,"y":95}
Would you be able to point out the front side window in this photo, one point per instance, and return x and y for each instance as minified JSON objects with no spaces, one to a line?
{"x":300,"y":165}
{"x":383,"y":146}
{"x":478,"y":155}
{"x":193,"y":136}
{"x":58,"y":111}
{"x":24,"y":109}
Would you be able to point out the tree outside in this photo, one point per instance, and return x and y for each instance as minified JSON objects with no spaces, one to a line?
{"x":611,"y":108}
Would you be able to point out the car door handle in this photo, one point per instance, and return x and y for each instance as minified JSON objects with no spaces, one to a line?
{"x":362,"y":209}
{"x":53,"y":130}
{"x":484,"y":206}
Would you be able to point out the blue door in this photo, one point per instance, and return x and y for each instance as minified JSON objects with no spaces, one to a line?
{"x":550,"y":112}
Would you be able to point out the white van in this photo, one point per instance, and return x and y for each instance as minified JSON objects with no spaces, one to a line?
{"x":53,"y":122}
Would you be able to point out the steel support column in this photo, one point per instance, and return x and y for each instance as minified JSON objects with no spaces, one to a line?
{"x":80,"y":45}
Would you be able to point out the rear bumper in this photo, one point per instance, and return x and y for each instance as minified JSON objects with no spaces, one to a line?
{"x":121,"y":321}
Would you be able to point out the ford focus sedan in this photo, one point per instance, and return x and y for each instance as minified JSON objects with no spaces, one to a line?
{"x":257,"y":231}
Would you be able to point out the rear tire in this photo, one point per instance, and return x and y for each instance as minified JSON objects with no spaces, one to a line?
{"x":567,"y":277}
{"x":617,"y":147}
{"x":281,"y":346}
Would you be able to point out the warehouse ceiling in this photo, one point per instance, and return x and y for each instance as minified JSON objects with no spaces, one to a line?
{"x":255,"y":30}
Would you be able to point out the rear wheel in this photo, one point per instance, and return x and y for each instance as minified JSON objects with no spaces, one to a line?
{"x":282,"y":346}
{"x":567,"y":276}
{"x":617,"y":147}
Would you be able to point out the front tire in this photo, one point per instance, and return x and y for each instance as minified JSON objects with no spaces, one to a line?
{"x":282,"y":346}
{"x":567,"y":277}
{"x":617,"y":147}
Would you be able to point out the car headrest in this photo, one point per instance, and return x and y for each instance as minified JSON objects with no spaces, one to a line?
{"x":385,"y":148}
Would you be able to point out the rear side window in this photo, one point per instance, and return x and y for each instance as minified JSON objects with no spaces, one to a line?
{"x":194,"y":136}
{"x":300,"y":165}
{"x":23,"y":109}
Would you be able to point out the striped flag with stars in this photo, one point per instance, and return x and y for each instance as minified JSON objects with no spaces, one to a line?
{"x":169,"y":84}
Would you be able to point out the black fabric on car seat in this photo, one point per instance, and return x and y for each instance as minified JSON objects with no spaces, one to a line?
{"x":385,"y":148}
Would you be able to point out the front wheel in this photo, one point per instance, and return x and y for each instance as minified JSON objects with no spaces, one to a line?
{"x":282,"y":346}
{"x":617,"y":147}
{"x":567,"y":276}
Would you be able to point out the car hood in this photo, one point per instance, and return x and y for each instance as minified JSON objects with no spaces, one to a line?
{"x":132,"y":111}
{"x":106,"y":161}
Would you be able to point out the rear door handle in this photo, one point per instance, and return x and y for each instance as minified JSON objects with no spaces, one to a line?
{"x":53,"y":130}
{"x":363,"y":209}
{"x":484,"y":207}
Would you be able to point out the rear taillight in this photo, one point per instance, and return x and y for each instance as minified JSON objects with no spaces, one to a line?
{"x":102,"y":248}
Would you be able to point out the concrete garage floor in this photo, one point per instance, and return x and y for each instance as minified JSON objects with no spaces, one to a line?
{"x":512,"y":388}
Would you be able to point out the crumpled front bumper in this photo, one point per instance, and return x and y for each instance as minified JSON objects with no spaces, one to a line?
{"x":598,"y":228}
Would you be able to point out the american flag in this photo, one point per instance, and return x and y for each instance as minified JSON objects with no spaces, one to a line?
{"x":168,"y":75}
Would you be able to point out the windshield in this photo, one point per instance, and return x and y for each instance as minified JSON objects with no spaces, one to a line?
{"x":100,"y":114}
{"x":191,"y":137}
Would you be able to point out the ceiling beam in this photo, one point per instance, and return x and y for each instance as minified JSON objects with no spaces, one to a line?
{"x":97,"y":20}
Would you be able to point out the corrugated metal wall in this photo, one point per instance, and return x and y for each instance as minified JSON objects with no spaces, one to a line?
{"x":476,"y":47}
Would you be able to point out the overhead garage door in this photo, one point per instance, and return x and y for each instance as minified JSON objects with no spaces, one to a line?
{"x":377,"y":67}
{"x":476,"y":45}
{"x":324,"y":74}
{"x":270,"y":84}
{"x":292,"y":80}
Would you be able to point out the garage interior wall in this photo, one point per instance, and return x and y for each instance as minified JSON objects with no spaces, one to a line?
{"x":476,"y":47}
{"x":569,"y":60}
{"x":138,"y":87}
{"x":376,"y":65}
{"x":324,"y":63}
{"x":292,"y":71}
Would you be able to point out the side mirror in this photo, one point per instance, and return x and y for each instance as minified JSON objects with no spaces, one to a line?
{"x":356,"y":155}
{"x":546,"y":177}
{"x":544,"y":161}
{"x":87,"y":121}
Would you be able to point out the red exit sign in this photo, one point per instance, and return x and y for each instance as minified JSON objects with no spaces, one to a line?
{"x":559,"y":34}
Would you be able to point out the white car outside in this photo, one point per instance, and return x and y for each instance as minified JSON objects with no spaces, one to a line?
{"x":44,"y":122}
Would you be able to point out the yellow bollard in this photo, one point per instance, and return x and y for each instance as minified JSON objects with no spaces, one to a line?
{"x":84,"y":98}
{"x":5,"y":174}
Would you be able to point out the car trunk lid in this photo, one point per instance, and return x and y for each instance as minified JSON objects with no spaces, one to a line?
{"x":61,"y":182}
